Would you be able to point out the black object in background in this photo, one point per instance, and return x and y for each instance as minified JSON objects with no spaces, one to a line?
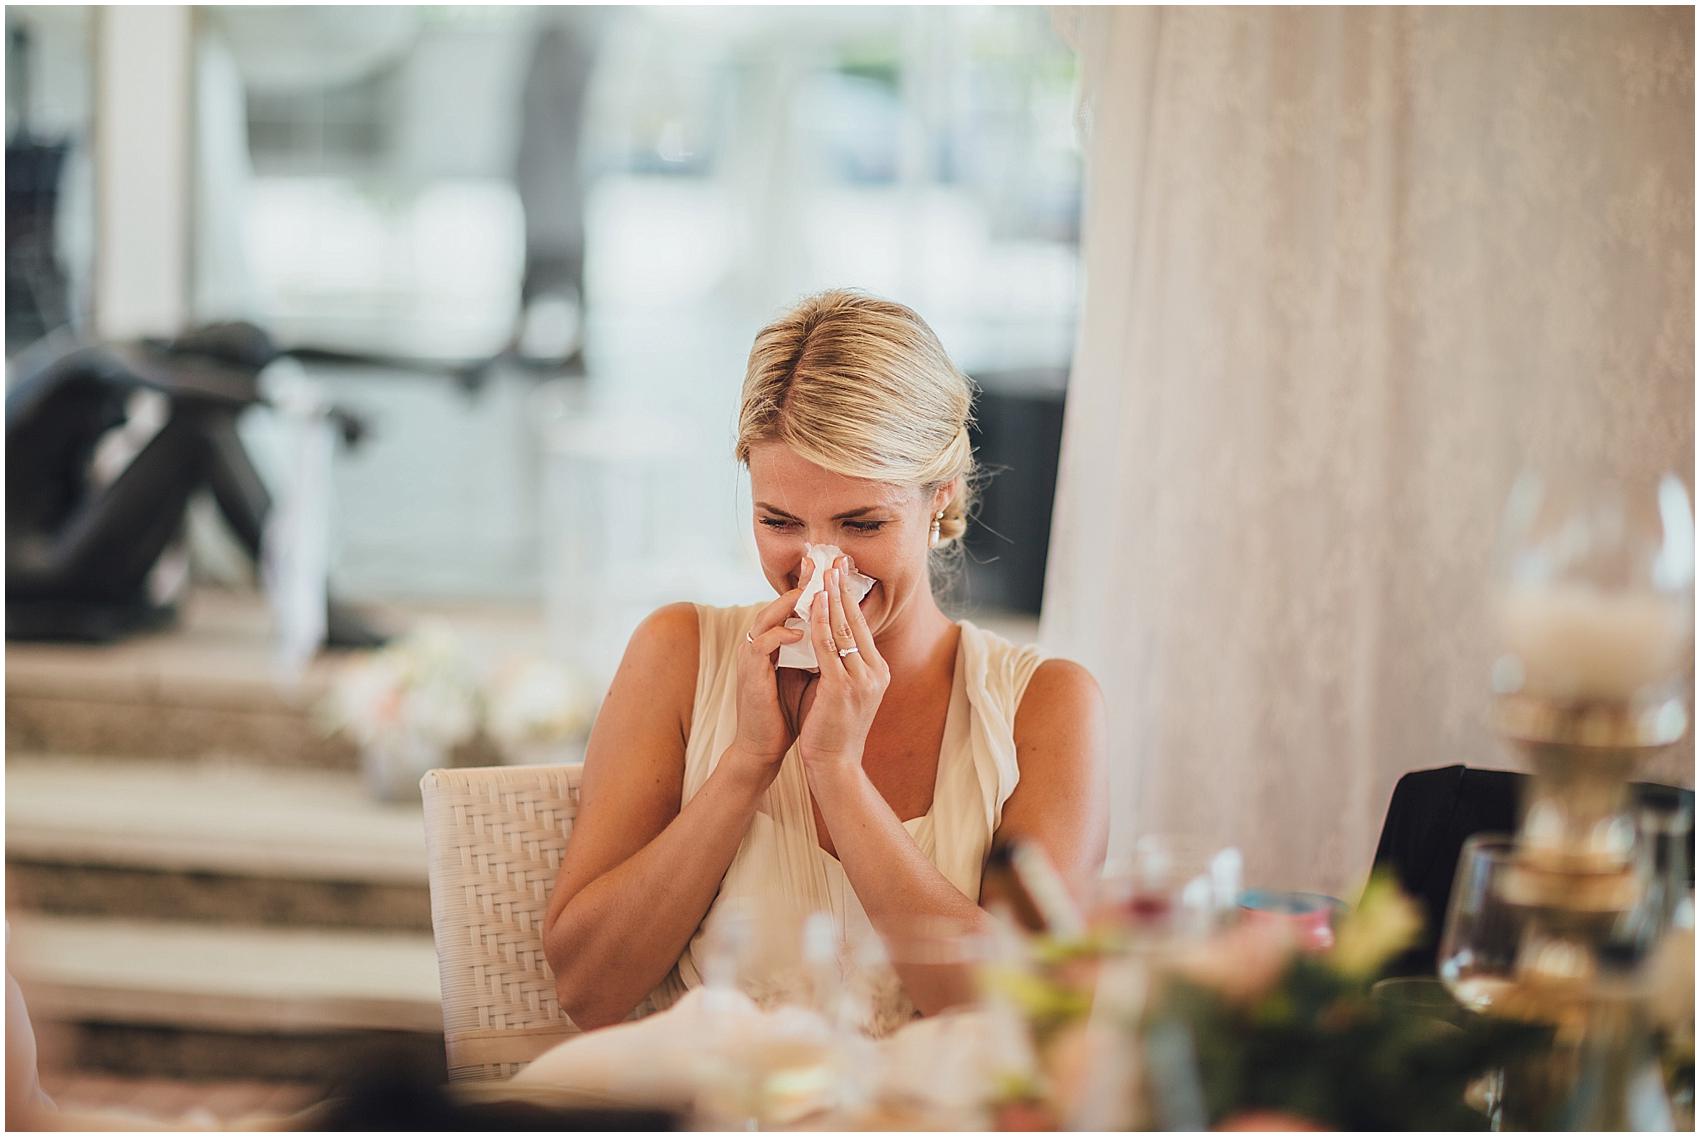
{"x":1432,"y":814}
{"x":79,"y":554}
{"x":1017,"y":437}
{"x":394,"y":1092}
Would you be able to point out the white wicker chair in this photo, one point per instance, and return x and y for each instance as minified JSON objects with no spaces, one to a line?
{"x":494,"y":836}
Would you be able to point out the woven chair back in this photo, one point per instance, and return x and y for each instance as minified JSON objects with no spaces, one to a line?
{"x":494,"y":836}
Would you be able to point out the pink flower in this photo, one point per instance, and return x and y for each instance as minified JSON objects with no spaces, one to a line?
{"x":1243,"y":962}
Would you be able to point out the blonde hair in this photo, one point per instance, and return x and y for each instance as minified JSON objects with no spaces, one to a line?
{"x":862,"y":387}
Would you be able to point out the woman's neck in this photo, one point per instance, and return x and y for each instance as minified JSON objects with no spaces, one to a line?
{"x":918,"y":641}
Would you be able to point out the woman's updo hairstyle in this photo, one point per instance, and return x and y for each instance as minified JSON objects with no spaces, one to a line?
{"x":862,"y":387}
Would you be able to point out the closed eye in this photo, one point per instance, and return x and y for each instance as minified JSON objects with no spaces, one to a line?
{"x":862,"y":527}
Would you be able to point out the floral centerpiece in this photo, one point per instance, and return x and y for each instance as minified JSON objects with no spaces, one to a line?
{"x":407,"y":706}
{"x":538,"y":711}
{"x":1243,"y":1029}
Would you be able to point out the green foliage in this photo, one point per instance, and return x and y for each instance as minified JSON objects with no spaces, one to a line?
{"x":1046,"y":1001}
{"x":1312,"y":1040}
{"x":1054,"y":951}
{"x":1319,"y":1046}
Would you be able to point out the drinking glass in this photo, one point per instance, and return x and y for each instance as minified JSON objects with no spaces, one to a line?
{"x":1483,"y":933}
{"x":1507,"y":951}
{"x":799,"y":1059}
{"x":1481,"y":939}
{"x":1310,"y":916}
{"x":1171,"y":883}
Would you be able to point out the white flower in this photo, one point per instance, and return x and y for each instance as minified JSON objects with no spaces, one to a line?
{"x":537,"y":700}
{"x":420,"y":687}
{"x":440,"y":713}
{"x":365,"y":702}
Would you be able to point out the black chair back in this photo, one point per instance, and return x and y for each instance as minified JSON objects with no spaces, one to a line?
{"x":1432,"y":814}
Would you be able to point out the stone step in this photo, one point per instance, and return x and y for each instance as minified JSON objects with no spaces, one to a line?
{"x":322,"y":1059}
{"x":110,"y":1099}
{"x":208,"y":816}
{"x":101,"y":890}
{"x":204,"y":687}
{"x":210,"y":842}
{"x":192,"y":1000}
{"x":209,"y":686}
{"x":275,"y":980}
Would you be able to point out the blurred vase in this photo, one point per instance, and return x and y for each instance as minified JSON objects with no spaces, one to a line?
{"x":391,"y":767}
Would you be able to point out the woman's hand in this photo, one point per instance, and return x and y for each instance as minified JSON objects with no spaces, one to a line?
{"x":853,"y":677}
{"x":765,"y":731}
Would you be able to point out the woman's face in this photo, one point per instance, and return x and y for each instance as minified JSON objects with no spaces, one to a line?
{"x":882,"y":528}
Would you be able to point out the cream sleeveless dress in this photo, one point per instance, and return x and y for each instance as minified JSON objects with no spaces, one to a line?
{"x":780,"y":868}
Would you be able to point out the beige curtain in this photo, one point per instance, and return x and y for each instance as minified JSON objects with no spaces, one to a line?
{"x":1346,"y":272}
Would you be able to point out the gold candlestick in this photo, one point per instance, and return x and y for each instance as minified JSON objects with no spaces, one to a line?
{"x":1595,"y":606}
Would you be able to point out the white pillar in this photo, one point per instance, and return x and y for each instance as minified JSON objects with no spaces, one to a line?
{"x":142,"y":166}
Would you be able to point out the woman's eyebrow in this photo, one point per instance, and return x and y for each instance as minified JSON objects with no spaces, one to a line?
{"x":845,"y":516}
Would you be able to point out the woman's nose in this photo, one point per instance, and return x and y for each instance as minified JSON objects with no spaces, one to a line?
{"x":798,"y":554}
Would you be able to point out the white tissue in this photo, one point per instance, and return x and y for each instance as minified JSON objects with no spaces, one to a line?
{"x":802,"y":653}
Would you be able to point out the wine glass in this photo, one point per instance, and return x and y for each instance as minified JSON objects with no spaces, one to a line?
{"x":1511,"y":948}
{"x":1507,"y":949}
{"x":1480,"y":942}
{"x":1172,"y":883}
{"x":1483,"y":933}
{"x":794,"y":1058}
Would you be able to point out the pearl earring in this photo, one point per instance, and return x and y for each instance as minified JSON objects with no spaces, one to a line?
{"x":933,"y":536}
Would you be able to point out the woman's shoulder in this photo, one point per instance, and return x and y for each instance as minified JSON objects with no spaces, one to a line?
{"x":661,"y":660}
{"x":675,"y":652}
{"x":1061,"y":684}
{"x":668,"y":631}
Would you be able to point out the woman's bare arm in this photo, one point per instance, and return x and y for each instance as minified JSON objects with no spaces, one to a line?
{"x":639,"y":872}
{"x":1058,"y":803}
{"x":1061,"y":802}
{"x":900,"y":889}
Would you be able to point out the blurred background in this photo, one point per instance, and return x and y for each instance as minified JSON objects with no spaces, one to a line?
{"x":415,"y":335}
{"x":523,"y":252}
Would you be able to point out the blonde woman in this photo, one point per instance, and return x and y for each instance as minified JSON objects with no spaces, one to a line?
{"x":872,"y":790}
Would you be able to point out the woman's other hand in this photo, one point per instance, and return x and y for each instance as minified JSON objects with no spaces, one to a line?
{"x":852,"y":682}
{"x":765,"y":732}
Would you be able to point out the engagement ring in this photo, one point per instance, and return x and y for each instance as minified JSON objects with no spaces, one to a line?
{"x":844,"y":651}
